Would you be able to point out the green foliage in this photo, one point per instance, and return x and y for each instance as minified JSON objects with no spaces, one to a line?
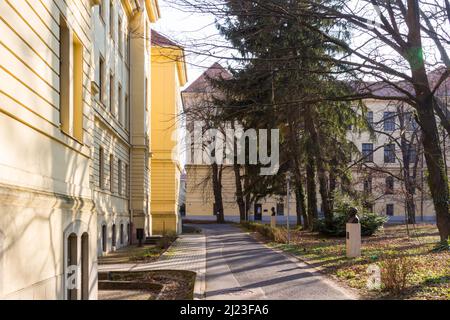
{"x":370,"y":222}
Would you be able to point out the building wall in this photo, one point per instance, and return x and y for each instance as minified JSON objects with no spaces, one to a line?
{"x":423,"y":201}
{"x":140,"y":108}
{"x":111,"y":127}
{"x":166,"y":170}
{"x":44,"y":171}
{"x":200,"y":196}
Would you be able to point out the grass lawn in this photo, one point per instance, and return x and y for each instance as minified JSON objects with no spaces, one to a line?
{"x":430,"y":276}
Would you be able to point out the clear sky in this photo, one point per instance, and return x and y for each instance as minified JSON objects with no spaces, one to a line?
{"x":192,"y":30}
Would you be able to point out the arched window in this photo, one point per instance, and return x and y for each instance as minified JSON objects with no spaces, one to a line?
{"x":113,"y":240}
{"x":121,"y":233}
{"x":2,"y":259}
{"x":85,"y":266}
{"x":72,"y":248}
{"x":104,"y":238}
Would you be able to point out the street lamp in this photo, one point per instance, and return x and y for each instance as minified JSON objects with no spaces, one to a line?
{"x":288,"y":192}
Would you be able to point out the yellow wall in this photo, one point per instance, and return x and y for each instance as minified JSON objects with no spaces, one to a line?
{"x":166,"y":170}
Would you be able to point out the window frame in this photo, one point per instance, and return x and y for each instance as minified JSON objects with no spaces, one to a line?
{"x":368,"y":157}
{"x":389,"y":157}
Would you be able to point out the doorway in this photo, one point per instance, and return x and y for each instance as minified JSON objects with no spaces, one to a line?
{"x":258,"y":212}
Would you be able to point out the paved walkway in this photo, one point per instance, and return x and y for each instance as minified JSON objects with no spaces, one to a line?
{"x":241,"y":268}
{"x":231,"y":265}
{"x":188,"y":252}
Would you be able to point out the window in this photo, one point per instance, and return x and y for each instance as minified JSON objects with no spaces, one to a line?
{"x":280,"y":209}
{"x":127,"y":178}
{"x":389,"y":153}
{"x":104,"y":238}
{"x":101,"y":169}
{"x":127,"y":112}
{"x":368,"y":206}
{"x":368,"y":185}
{"x":121,"y":233}
{"x":127,"y":46}
{"x":389,"y":121}
{"x":367,"y":152}
{"x":85,"y":266}
{"x":120,"y":35}
{"x":111,"y":92}
{"x":72,"y":255}
{"x":120,"y":105}
{"x":411,"y":153}
{"x":390,"y":209}
{"x":101,"y":11}
{"x":102,"y":83}
{"x":71,"y":82}
{"x":146,"y":94}
{"x":410,"y":122}
{"x":389,"y":185}
{"x":119,"y":176}
{"x":111,"y":173}
{"x":111,"y":19}
{"x":113,"y":240}
{"x":370,"y":118}
{"x":412,"y":182}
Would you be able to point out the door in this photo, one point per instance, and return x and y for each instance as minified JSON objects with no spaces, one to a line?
{"x":258,"y":212}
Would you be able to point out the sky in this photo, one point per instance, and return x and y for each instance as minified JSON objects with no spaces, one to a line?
{"x":187,"y":29}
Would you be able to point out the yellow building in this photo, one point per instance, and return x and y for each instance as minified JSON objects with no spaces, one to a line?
{"x":168,"y":76}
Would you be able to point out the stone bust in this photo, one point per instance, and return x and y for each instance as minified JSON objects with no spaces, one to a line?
{"x":353,"y":216}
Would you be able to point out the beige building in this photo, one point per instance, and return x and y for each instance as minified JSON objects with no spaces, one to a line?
{"x":75,"y":84}
{"x":380,"y":175}
{"x":199,"y":191}
{"x":48,"y":225}
{"x":120,"y":168}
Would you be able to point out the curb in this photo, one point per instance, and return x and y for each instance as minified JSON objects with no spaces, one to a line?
{"x":200,"y":279}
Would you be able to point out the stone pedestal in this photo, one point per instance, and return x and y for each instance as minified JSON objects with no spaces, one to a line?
{"x":353,"y":241}
{"x":273,"y":221}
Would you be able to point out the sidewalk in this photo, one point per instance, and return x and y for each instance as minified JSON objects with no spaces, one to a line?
{"x":188,"y":252}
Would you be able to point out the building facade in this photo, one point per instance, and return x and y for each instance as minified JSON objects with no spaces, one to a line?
{"x":199,"y":189}
{"x":390,"y":154}
{"x":48,"y":222}
{"x":120,"y":166}
{"x":75,"y":122}
{"x":379,"y":173}
{"x":168,"y":76}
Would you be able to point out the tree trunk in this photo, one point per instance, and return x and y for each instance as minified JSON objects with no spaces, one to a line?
{"x":321,"y":171}
{"x":311,"y":191}
{"x":300,"y":205}
{"x":239,"y":194}
{"x":217,"y":188}
{"x":437,"y":180}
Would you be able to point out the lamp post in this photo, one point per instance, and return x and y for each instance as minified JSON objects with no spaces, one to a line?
{"x":288,"y":192}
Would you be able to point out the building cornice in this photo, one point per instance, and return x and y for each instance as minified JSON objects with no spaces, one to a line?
{"x":175,"y":54}
{"x":153,"y":11}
